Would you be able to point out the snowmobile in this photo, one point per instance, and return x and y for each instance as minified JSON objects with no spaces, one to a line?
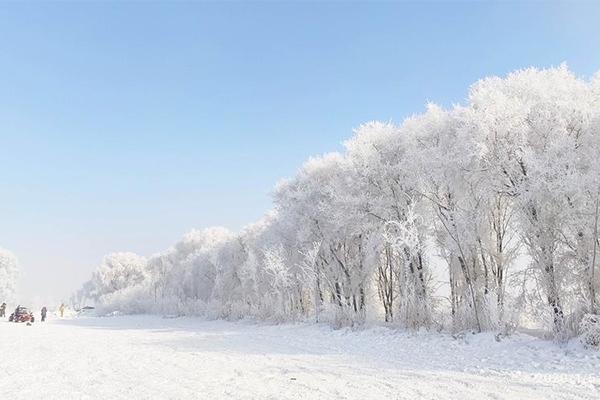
{"x":22,"y":314}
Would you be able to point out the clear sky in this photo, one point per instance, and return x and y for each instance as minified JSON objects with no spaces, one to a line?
{"x":124,"y":125}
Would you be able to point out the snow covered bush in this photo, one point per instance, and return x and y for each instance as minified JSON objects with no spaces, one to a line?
{"x":590,"y":330}
{"x":9,"y":274}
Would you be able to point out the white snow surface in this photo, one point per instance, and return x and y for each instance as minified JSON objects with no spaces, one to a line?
{"x":149,"y":357}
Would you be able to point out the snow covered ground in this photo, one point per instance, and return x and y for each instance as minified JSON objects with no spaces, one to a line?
{"x":147,"y":357}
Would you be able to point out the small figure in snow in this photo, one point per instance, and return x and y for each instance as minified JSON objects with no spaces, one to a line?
{"x":3,"y":310}
{"x":61,"y":309}
{"x":43,"y":312}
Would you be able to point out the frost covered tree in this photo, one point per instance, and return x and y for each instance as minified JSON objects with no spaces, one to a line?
{"x":117,"y":272}
{"x":321,"y":199}
{"x":389,"y":207}
{"x":544,"y":120}
{"x":9,"y":274}
{"x":187,"y":273}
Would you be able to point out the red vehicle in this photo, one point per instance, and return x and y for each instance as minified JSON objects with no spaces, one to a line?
{"x":21,"y":314}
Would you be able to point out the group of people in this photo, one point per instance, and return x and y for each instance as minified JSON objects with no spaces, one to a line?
{"x":43,"y":311}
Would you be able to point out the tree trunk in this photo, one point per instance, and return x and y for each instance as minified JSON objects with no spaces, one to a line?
{"x":591,"y":287}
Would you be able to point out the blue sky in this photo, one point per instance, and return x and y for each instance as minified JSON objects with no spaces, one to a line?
{"x":124,"y":125}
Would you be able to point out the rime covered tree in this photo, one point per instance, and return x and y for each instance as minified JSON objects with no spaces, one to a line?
{"x":9,"y":274}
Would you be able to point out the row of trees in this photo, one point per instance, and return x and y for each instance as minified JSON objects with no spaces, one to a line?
{"x":9,"y":274}
{"x":477,"y":217}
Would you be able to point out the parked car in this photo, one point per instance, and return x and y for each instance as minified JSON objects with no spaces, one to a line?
{"x":21,"y":314}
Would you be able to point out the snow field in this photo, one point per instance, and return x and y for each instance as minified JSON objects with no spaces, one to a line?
{"x":147,"y":357}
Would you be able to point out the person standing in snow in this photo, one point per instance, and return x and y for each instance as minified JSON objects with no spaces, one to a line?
{"x":61,"y":309}
{"x":3,"y":310}
{"x":43,"y":312}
